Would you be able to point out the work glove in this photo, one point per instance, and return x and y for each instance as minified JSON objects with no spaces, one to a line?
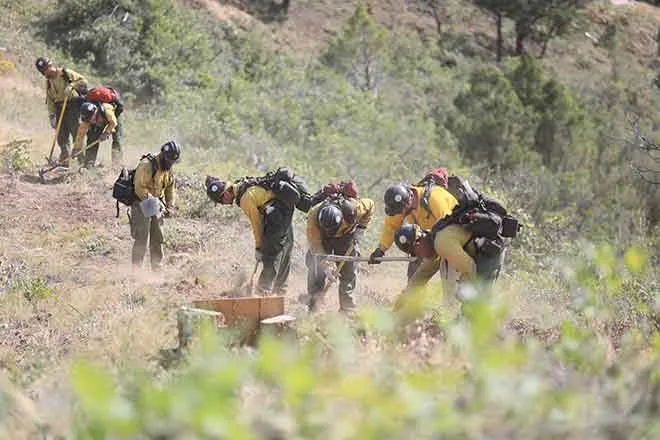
{"x":358,"y":235}
{"x":68,"y":91}
{"x":378,"y":253}
{"x":103,"y":136}
{"x":258,"y":255}
{"x":53,"y":120}
{"x":168,"y":211}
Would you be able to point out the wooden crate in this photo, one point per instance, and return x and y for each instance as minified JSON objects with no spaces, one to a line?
{"x":245,"y":313}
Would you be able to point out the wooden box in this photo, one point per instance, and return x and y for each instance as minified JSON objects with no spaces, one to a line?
{"x":245,"y":313}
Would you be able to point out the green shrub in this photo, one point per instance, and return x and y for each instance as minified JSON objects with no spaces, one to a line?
{"x":146,"y":48}
{"x":32,"y":289}
{"x":475,"y":382}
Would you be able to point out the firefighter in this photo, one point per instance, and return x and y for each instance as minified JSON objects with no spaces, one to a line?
{"x":153,"y":179}
{"x":476,"y":258}
{"x":99,"y":122}
{"x":335,"y":226}
{"x":271,"y":218}
{"x":61,"y":83}
{"x":419,"y":205}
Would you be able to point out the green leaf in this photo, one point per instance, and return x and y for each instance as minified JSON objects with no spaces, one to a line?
{"x":635,"y":260}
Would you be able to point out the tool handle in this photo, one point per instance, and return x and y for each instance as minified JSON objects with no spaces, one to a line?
{"x":57,"y":130}
{"x":361,"y":259}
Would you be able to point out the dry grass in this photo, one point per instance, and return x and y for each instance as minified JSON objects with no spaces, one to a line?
{"x":97,"y":307}
{"x":64,"y":239}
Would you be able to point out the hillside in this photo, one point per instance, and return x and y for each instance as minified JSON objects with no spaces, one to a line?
{"x":309,"y":24}
{"x":565,"y":348}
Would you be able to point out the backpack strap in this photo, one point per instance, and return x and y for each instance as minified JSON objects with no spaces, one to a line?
{"x":65,"y":74}
{"x":248,"y":182}
{"x":128,"y":214}
{"x":426,"y":197}
{"x":154,"y":163}
{"x":242,"y":186}
{"x":99,"y":105}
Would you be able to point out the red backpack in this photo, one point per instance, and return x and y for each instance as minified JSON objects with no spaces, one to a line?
{"x":106,"y":95}
{"x":438,"y":176}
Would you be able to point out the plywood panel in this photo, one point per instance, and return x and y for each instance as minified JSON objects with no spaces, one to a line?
{"x":245,"y":313}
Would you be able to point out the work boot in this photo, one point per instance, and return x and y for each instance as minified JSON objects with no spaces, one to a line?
{"x":346,"y":304}
{"x":262,"y":291}
{"x":280,"y":291}
{"x":311,"y":302}
{"x":64,"y":159}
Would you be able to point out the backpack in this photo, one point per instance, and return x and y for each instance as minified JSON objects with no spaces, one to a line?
{"x":345,"y":189}
{"x":437,"y":176}
{"x":457,"y":187}
{"x":107,"y":95}
{"x":123,"y":189}
{"x":288,"y":188}
{"x":482,"y":215}
{"x":340,"y":200}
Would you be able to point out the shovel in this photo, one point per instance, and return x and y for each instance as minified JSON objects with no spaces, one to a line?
{"x":53,"y":165}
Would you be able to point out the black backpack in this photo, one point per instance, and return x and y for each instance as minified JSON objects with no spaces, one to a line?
{"x":482,"y":215}
{"x":123,"y":189}
{"x":288,"y":188}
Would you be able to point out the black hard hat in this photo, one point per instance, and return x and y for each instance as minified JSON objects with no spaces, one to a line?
{"x":87,"y":111}
{"x":171,"y":151}
{"x":406,"y":237}
{"x":215,"y":188}
{"x":330,"y":218}
{"x":396,"y":199}
{"x":42,"y":63}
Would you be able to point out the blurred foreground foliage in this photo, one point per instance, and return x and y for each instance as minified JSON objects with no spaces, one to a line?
{"x":476,"y":380}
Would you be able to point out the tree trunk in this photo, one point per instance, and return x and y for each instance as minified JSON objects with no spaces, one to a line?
{"x":521,"y":34}
{"x":544,"y":47}
{"x":520,"y":44}
{"x":500,"y":39}
{"x":437,"y":17}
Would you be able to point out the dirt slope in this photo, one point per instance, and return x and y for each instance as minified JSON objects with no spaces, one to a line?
{"x":63,"y":242}
{"x":67,"y":290}
{"x":309,"y":24}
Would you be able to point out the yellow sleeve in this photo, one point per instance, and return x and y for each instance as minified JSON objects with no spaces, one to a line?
{"x":314,"y":238}
{"x":111,"y":119}
{"x":250,"y":205}
{"x":142,"y":179}
{"x":390,"y":226}
{"x":76,"y":79}
{"x":49,"y":101}
{"x":441,"y":202}
{"x":82,"y":131}
{"x":365,"y":211}
{"x":170,"y":191}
